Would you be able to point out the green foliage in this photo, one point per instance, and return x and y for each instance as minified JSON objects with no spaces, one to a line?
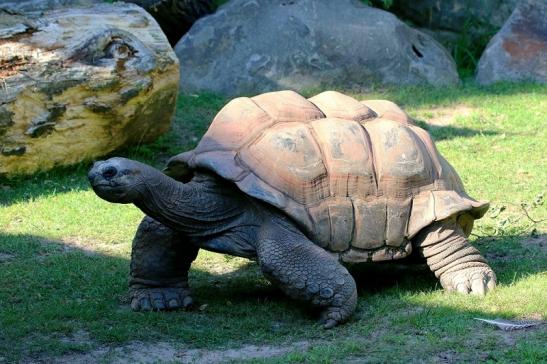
{"x":469,"y":46}
{"x":217,"y":3}
{"x":64,"y":256}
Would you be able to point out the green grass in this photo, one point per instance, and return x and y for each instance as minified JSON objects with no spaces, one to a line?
{"x":64,"y":256}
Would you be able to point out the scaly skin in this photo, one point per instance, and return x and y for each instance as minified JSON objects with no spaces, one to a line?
{"x":459,"y":266}
{"x":160,"y":260}
{"x":306,"y":272}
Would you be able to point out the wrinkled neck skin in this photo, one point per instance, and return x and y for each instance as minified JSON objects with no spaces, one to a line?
{"x":204,"y":207}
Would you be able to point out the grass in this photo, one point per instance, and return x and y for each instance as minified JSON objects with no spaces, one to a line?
{"x":64,"y":256}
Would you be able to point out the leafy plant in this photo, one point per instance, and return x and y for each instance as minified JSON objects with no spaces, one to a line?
{"x":468,"y":47}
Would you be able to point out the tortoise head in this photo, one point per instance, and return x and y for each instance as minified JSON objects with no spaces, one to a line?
{"x":120,"y":180}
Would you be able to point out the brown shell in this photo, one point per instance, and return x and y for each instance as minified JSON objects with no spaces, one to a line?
{"x":359,"y":177}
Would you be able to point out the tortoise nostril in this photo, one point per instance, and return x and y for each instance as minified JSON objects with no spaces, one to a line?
{"x":109,"y":172}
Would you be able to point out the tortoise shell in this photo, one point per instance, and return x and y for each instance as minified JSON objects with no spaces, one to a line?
{"x":358,"y":177}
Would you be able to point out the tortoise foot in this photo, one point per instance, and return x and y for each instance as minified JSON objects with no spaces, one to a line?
{"x":160,"y":298}
{"x":474,"y":280}
{"x":333,"y":316}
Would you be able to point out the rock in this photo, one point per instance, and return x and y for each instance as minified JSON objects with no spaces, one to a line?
{"x":519,"y":51}
{"x":477,"y":17}
{"x":175,"y":17}
{"x":254,"y":46}
{"x":446,"y":37}
{"x":78,"y":83}
{"x":26,"y":6}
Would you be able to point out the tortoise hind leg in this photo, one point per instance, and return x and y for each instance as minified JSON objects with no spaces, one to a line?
{"x":306,"y":272}
{"x":459,"y":266}
{"x":160,"y":261}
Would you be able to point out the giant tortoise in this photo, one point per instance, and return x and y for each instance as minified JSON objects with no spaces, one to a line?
{"x":304,"y":186}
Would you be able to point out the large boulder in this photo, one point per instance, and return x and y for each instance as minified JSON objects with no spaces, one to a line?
{"x":25,"y":6}
{"x":254,"y":46}
{"x":519,"y":51}
{"x":77,"y":83}
{"x":478,"y":17}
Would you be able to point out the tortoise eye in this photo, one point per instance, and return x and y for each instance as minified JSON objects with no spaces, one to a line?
{"x":109,"y":172}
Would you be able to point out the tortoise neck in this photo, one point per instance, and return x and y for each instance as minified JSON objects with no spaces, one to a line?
{"x":199,"y":208}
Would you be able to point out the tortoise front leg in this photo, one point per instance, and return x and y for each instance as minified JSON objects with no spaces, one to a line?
{"x":306,"y":272}
{"x":160,"y":261}
{"x":449,"y":255}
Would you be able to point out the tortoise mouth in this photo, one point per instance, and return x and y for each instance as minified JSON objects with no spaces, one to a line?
{"x":106,"y":185}
{"x":111,"y":191}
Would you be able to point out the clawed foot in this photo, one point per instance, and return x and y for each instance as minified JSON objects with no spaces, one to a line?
{"x":334,"y":315}
{"x":475,"y":280}
{"x":160,"y":299}
{"x":331,"y":317}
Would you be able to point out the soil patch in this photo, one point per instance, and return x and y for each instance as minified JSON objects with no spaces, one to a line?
{"x":447,"y":115}
{"x":162,"y":352}
{"x":89,"y":247}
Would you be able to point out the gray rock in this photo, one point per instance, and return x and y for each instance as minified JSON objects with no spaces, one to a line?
{"x":254,"y":46}
{"x":519,"y":51}
{"x":25,"y":6}
{"x":456,"y":15}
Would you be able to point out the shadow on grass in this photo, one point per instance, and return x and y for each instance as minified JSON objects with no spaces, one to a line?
{"x":511,"y":262}
{"x":512,"y":257}
{"x":42,"y":184}
{"x":62,"y":179}
{"x":448,"y":132}
{"x":51,"y":289}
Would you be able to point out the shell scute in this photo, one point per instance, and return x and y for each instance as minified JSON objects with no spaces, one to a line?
{"x":387,"y":110}
{"x":255,"y":187}
{"x":222,"y":162}
{"x":397,"y":214}
{"x":287,"y":106}
{"x":370,"y":223}
{"x":402,"y":162}
{"x":341,"y":225}
{"x":347,"y":157}
{"x":230,"y":128}
{"x":320,"y":229}
{"x":291,"y":145}
{"x":336,"y":105}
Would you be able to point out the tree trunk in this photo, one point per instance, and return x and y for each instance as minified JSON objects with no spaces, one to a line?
{"x":77,"y":83}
